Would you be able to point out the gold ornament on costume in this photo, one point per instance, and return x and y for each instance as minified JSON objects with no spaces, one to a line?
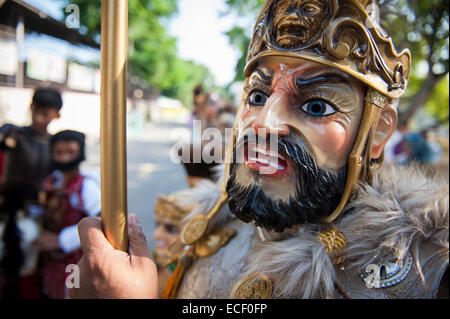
{"x":334,"y":243}
{"x":194,"y":229}
{"x":376,"y":98}
{"x":339,"y":33}
{"x":254,"y":286}
{"x":210,"y":243}
{"x":288,"y":29}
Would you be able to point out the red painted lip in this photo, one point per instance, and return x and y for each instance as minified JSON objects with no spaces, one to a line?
{"x":264,"y":161}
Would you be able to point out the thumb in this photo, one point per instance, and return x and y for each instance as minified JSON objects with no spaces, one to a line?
{"x":137,"y":245}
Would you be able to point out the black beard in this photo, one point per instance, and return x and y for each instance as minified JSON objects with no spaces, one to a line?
{"x":318,"y":192}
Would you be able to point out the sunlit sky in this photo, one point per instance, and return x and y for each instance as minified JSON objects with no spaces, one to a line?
{"x":198,"y":28}
{"x":200,"y":33}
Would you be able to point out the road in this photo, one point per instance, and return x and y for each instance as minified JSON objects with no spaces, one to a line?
{"x":150,"y":171}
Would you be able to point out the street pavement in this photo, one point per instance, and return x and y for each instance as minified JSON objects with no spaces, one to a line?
{"x":150,"y":170}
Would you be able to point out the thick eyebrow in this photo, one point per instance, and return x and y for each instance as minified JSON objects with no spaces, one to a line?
{"x":321,"y":79}
{"x":259,"y":75}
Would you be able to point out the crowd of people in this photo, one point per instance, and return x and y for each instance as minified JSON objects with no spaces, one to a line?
{"x":43,"y":196}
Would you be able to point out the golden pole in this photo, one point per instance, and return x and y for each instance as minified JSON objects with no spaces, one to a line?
{"x":113,"y":122}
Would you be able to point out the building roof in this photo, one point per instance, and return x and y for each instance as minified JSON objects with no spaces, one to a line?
{"x":40,"y":22}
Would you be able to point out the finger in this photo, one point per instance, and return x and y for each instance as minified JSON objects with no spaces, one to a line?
{"x":91,"y":235}
{"x":137,"y":248}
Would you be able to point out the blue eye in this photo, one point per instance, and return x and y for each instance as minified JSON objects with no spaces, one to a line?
{"x":257,"y":98}
{"x":318,"y":108}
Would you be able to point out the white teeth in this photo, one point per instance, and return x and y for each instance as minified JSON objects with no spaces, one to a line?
{"x":259,"y":160}
{"x":265,"y":151}
{"x":261,"y":155}
{"x":266,"y":162}
{"x":256,"y":148}
{"x":276,"y":165}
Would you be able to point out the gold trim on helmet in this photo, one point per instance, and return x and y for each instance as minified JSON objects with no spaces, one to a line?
{"x":346,"y":37}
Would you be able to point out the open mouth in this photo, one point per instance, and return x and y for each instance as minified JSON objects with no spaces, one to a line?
{"x":291,"y":33}
{"x":265,"y":161}
{"x":292,"y":30}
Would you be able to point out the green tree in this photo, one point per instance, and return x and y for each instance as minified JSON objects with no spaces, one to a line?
{"x":422,"y":26}
{"x":152,"y":52}
{"x":240,"y":34}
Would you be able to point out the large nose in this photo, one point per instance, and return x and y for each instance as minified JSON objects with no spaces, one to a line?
{"x":273,"y":118}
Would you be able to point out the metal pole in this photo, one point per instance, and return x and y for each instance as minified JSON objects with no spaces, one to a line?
{"x":113,"y":122}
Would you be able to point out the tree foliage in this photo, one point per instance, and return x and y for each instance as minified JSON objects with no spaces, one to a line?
{"x":423,"y":27}
{"x":240,"y":34}
{"x":152,"y":52}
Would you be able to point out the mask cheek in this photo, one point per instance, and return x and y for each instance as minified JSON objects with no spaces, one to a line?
{"x":331,"y":144}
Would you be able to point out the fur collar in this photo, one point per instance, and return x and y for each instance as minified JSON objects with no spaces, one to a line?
{"x":400,"y":211}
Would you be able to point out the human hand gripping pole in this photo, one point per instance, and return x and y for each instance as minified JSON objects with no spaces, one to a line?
{"x":106,"y":272}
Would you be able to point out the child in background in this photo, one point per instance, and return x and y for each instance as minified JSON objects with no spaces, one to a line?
{"x":67,"y":197}
{"x":26,"y":156}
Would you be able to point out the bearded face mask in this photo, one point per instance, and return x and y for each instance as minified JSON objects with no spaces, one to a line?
{"x":309,"y":114}
{"x":317,"y":190}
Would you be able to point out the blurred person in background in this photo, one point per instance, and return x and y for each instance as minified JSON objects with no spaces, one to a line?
{"x":25,"y":163}
{"x":203,"y":110}
{"x":67,"y":196}
{"x":26,"y":149}
{"x":18,"y":256}
{"x":226,"y":114}
{"x":420,"y":150}
{"x":394,"y":152}
{"x":169,"y":216}
{"x":206,"y":114}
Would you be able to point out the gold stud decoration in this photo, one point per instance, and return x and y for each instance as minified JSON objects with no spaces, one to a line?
{"x":253,"y":286}
{"x":334,"y":243}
